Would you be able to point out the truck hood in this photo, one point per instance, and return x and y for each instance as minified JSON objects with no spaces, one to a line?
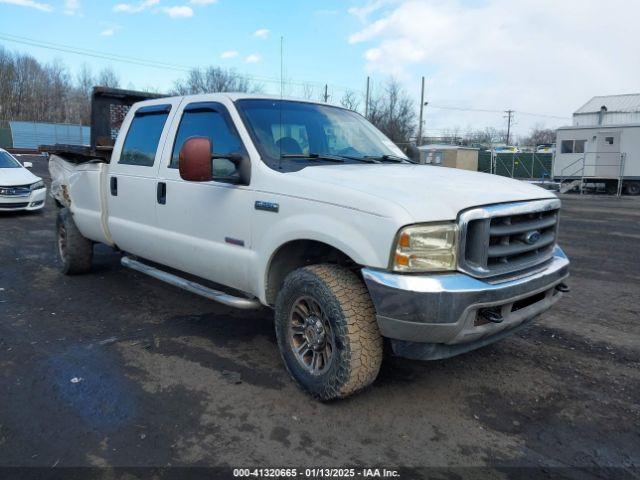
{"x":10,"y":177}
{"x":427,"y":193}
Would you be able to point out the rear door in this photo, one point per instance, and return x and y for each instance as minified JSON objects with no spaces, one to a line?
{"x":204,"y":227}
{"x":131,"y":186}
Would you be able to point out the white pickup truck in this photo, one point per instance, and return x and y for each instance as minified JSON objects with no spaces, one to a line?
{"x":308,"y":209}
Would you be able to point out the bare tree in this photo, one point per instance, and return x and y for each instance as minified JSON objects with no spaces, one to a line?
{"x":538,"y":136}
{"x":308,"y":92}
{"x":85,"y":80}
{"x":34,"y":91}
{"x":79,"y":102}
{"x":393,"y":112}
{"x":214,"y":79}
{"x":108,"y":78}
{"x":350,"y":100}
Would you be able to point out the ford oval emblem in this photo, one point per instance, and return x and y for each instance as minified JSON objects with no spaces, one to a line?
{"x":532,"y":237}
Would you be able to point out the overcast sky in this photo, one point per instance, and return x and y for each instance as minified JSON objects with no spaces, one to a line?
{"x":534,"y":56}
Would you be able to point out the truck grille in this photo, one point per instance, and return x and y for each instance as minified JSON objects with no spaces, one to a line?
{"x":508,"y":238}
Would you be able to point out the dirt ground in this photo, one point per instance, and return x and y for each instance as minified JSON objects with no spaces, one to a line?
{"x":165,"y":378}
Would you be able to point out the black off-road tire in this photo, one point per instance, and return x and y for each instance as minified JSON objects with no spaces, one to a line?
{"x":632,"y":188}
{"x":611,"y":188}
{"x":348,"y":308}
{"x":74,"y":252}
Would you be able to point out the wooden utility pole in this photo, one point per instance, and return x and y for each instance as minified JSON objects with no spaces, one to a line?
{"x":419,"y":142}
{"x":366,"y":101}
{"x":326,"y":93}
{"x":509,"y":117}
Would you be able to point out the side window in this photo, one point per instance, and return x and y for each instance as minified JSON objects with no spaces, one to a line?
{"x":579,"y":146}
{"x":205,"y":123}
{"x":566,"y":146}
{"x":143,"y":136}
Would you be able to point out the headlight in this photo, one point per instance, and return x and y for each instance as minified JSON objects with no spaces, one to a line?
{"x":38,"y":185}
{"x":425,"y":248}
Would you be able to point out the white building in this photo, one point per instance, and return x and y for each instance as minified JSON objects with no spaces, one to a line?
{"x":609,"y":110}
{"x":603,"y":145}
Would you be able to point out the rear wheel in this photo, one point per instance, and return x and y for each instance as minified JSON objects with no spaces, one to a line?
{"x":327,"y":331}
{"x":633,"y":188}
{"x":611,"y":188}
{"x":74,"y":252}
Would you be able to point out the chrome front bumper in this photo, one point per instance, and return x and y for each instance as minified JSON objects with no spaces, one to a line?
{"x":444,"y":310}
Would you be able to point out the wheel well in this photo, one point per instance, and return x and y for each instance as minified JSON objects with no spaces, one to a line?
{"x":296,"y":254}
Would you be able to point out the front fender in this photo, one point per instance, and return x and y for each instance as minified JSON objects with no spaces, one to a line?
{"x":363,"y":238}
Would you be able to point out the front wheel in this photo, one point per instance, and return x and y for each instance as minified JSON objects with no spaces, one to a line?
{"x":327,"y":331}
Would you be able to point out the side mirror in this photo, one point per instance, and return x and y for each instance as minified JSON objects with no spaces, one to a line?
{"x":195,"y":160}
{"x":27,"y":165}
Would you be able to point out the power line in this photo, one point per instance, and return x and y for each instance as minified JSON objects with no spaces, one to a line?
{"x":185,"y":68}
{"x":485,"y":110}
{"x":542,"y":115}
{"x":463,"y":109}
{"x":93,"y":53}
{"x":145,"y":62}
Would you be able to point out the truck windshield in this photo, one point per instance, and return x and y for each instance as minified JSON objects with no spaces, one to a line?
{"x":7,"y":161}
{"x":291,"y":135}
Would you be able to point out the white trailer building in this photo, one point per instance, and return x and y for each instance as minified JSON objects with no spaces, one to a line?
{"x":602,"y":146}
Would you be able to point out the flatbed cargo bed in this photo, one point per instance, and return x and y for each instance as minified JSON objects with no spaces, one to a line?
{"x":74,"y":153}
{"x":109,"y":107}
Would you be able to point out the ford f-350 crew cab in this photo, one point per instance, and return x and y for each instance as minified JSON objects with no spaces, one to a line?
{"x":309,"y":209}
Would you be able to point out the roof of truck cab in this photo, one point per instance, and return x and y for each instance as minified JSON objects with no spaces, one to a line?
{"x":233,"y":96}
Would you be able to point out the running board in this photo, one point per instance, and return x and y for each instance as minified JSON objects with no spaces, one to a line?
{"x":193,"y":287}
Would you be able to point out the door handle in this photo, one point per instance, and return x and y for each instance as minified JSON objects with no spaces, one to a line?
{"x":113,"y":183}
{"x":161,"y":193}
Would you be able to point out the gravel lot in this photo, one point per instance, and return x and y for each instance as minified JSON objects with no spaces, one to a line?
{"x":168,"y":378}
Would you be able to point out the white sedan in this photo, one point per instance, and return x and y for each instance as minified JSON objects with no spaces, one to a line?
{"x":19,"y":188}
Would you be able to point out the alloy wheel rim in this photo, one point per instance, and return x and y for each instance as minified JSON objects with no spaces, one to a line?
{"x":311,"y":336}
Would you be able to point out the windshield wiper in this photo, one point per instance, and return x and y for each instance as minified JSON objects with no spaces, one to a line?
{"x":314,"y":156}
{"x":362,"y":159}
{"x":391,"y":158}
{"x":335,"y":158}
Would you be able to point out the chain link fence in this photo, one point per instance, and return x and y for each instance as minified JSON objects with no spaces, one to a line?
{"x":532,"y":166}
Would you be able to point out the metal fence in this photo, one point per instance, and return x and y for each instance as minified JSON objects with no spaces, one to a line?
{"x":32,"y":134}
{"x":517,"y":165}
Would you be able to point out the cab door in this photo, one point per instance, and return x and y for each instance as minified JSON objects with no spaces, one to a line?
{"x":204,"y":227}
{"x":131,"y":188}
